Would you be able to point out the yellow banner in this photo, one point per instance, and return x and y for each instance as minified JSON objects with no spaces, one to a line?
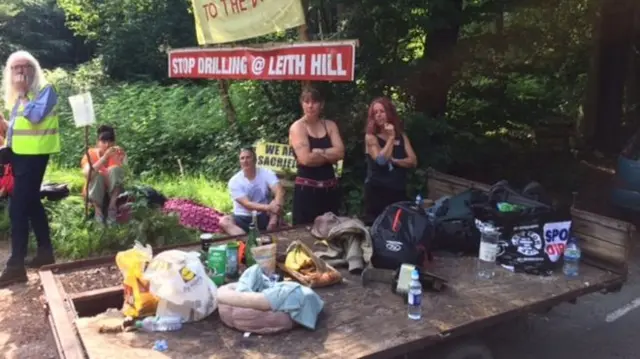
{"x":280,"y":158}
{"x":220,"y":21}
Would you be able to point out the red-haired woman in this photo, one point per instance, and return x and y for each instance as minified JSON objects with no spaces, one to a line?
{"x":389,"y":156}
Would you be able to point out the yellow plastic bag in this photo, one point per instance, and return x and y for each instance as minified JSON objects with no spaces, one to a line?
{"x":138,"y":300}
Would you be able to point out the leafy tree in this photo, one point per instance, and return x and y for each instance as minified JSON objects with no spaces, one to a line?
{"x":38,"y":27}
{"x":133,"y":36}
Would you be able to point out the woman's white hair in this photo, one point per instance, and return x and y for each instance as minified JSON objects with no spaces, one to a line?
{"x":10,"y":94}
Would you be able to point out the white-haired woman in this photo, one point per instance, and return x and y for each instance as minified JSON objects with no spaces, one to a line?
{"x":32,"y":136}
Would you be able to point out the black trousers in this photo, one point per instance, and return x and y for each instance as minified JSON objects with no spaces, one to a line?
{"x":311,"y":202}
{"x":25,"y":207}
{"x":377,"y":198}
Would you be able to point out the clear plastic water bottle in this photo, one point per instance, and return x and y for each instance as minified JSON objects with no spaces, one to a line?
{"x":160,"y":324}
{"x":419,"y":201}
{"x":415,"y":296}
{"x":572,"y":254}
{"x":488,"y":252}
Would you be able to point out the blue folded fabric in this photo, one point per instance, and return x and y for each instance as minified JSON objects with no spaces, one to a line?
{"x":300,"y":302}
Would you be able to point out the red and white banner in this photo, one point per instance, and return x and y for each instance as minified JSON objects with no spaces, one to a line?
{"x":311,"y":61}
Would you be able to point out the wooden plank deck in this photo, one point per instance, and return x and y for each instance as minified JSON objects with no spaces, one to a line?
{"x":367,"y":321}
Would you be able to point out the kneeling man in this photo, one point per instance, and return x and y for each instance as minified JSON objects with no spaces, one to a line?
{"x":250,"y":190}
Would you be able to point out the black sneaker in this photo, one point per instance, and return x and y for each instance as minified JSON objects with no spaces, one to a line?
{"x":41,"y":260}
{"x":13,"y":275}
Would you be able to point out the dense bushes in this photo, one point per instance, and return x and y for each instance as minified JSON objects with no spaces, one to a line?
{"x":158,"y":126}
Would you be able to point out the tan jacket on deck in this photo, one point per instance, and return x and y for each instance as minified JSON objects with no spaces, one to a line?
{"x":347,"y":239}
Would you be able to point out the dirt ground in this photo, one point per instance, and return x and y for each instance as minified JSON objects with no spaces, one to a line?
{"x":24,"y":330}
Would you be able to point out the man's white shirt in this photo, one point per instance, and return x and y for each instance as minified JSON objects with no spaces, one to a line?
{"x":256,"y":190}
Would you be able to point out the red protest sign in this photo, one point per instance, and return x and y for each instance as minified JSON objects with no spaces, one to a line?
{"x":312,"y":61}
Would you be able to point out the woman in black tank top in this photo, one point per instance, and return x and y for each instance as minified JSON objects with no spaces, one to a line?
{"x":389,"y":156}
{"x":317,"y":146}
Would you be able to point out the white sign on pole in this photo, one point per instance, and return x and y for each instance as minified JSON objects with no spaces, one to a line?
{"x":82,"y":108}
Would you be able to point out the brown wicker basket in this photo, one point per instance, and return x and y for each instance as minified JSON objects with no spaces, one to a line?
{"x":313,"y":280}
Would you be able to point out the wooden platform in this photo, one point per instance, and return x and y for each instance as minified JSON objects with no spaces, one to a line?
{"x":356,"y":322}
{"x":364,"y":322}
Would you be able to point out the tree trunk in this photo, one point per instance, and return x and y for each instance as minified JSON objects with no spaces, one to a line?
{"x":616,"y":21}
{"x":586,"y":121}
{"x":437,"y":67}
{"x":632,"y":118}
{"x":227,"y":105}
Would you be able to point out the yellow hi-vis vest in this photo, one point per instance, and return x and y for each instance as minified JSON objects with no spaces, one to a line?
{"x":35,"y":139}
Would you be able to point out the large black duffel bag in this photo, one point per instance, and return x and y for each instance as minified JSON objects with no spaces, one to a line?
{"x":532,"y":237}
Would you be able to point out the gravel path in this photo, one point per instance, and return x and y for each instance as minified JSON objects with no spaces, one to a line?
{"x":24,"y":330}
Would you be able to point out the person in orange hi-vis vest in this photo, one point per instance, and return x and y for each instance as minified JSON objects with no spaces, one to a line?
{"x":107,"y":177}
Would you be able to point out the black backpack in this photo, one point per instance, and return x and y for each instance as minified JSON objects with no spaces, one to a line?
{"x":402,"y":233}
{"x":54,"y":191}
{"x":454,"y":224}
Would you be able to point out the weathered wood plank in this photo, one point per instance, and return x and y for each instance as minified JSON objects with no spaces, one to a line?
{"x":603,"y":233}
{"x":610,"y":223}
{"x":603,"y":250}
{"x":66,"y":332}
{"x":94,"y":294}
{"x":110,"y":259}
{"x":440,"y":184}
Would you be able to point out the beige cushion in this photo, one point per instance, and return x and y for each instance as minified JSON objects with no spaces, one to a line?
{"x":250,"y":312}
{"x":255,"y":321}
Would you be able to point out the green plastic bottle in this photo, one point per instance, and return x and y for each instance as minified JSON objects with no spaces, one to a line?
{"x":252,"y":239}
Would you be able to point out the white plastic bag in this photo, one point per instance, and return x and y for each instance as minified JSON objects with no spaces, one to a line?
{"x":82,"y":109}
{"x":179,"y":279}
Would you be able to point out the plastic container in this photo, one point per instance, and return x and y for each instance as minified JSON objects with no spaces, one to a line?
{"x":160,"y":324}
{"x":414,"y":302}
{"x":572,"y":255}
{"x":488,"y":253}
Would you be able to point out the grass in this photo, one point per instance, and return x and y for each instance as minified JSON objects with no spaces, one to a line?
{"x":76,"y":237}
{"x":198,"y":188}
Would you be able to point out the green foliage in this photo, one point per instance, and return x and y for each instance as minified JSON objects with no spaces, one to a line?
{"x":164,"y":128}
{"x":75,"y":238}
{"x":38,"y":26}
{"x":133,"y":35}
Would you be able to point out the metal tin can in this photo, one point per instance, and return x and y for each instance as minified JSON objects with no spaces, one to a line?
{"x":205,"y":241}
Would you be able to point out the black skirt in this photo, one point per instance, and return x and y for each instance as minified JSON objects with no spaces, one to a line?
{"x":377,"y":198}
{"x":311,"y":202}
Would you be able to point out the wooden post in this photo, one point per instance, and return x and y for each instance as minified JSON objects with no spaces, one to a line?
{"x":304,"y":36}
{"x":227,"y":105}
{"x":86,"y":150}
